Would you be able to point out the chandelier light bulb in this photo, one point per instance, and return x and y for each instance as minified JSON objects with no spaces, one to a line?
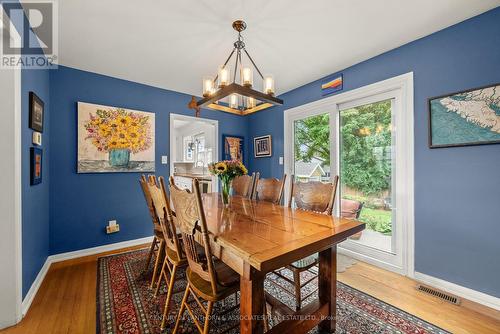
{"x":233,"y":101}
{"x":269,"y":85}
{"x":224,"y":75}
{"x":250,"y":102}
{"x":246,"y":76}
{"x":208,"y":86}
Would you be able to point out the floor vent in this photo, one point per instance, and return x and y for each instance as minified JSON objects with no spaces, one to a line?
{"x":436,"y":293}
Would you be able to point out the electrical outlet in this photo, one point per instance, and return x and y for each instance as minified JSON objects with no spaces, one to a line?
{"x":164,"y":159}
{"x":281,"y":160}
{"x":112,"y":227}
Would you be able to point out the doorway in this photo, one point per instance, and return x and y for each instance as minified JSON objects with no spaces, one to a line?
{"x":366,"y":137}
{"x":193,"y":146}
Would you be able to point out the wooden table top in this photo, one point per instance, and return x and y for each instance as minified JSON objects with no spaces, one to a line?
{"x":269,"y":236}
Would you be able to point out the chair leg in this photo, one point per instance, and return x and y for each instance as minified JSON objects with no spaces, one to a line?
{"x":266,"y":319}
{"x":181,"y":310}
{"x":206,"y":327}
{"x":157,"y":262}
{"x":169,"y":296}
{"x":151,"y":251}
{"x":163,"y":274}
{"x":298,"y":295}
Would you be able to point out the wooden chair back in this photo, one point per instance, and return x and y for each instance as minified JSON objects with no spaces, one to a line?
{"x":161,"y":206}
{"x":193,"y":225}
{"x":314,"y":195}
{"x":147,"y":196}
{"x":243,"y":185}
{"x":270,"y":190}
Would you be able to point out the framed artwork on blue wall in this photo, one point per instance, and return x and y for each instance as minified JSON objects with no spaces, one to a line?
{"x":332,"y":86}
{"x":234,"y":147}
{"x":114,"y":139}
{"x":36,"y":112}
{"x":35,"y":166}
{"x":470,"y":117}
{"x":262,"y":146}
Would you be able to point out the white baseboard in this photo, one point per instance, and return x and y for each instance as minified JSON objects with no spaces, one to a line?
{"x":469,"y":294}
{"x":99,"y":249}
{"x":28,"y":299}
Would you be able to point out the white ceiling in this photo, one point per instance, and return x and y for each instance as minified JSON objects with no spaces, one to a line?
{"x":173,"y":44}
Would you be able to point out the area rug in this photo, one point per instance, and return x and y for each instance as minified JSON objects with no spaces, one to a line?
{"x":126,"y":305}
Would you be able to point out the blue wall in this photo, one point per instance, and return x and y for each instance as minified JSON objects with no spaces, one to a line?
{"x":457,"y":190}
{"x":35,"y":199}
{"x":82,"y":204}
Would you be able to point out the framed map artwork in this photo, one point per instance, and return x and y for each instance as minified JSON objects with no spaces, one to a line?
{"x":470,"y":117}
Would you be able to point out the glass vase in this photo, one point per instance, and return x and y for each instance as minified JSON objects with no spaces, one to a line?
{"x":226,"y":187}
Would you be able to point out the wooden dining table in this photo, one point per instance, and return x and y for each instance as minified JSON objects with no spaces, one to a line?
{"x":255,"y":238}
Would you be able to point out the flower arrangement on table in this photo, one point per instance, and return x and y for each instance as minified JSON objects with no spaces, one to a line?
{"x":119,"y":133}
{"x":226,"y":171}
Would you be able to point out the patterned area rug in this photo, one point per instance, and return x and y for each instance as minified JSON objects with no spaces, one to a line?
{"x":125,"y":304}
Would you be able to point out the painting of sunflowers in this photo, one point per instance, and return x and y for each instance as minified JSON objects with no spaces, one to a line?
{"x":114,"y":139}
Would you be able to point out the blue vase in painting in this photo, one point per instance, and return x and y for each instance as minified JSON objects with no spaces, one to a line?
{"x":119,"y":157}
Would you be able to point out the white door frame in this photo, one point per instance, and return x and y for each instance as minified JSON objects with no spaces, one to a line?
{"x":11,"y":97}
{"x":215,"y":151}
{"x":402,"y":86}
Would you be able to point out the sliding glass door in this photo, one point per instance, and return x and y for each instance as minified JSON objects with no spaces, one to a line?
{"x":359,"y":138}
{"x":366,"y":167}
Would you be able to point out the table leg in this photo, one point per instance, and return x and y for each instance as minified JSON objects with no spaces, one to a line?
{"x":328,"y":287}
{"x":252,"y":301}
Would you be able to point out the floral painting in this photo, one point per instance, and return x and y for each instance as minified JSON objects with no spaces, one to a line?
{"x":114,"y":139}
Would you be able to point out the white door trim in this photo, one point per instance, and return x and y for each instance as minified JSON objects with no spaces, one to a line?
{"x":16,"y":251}
{"x":403,"y":84}
{"x":18,"y":193}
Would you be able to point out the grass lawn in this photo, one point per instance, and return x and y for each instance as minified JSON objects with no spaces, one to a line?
{"x":377,"y":220}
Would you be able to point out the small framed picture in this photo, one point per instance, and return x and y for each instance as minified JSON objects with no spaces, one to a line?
{"x":36,"y":165}
{"x":262,"y":146}
{"x":332,"y":86}
{"x":36,"y":113}
{"x":37,"y":138}
{"x":233,"y":147}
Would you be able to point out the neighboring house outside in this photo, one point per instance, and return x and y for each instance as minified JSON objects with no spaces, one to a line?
{"x":306,"y":171}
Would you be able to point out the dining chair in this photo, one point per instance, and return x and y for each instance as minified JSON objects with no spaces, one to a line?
{"x":313,"y":196}
{"x":243,"y":185}
{"x":269,"y":190}
{"x":351,"y":209}
{"x":174,"y":255}
{"x":157,"y":245}
{"x":207,"y":279}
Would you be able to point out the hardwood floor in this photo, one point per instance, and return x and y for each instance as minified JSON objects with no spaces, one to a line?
{"x":401,"y":292}
{"x":66,"y":301}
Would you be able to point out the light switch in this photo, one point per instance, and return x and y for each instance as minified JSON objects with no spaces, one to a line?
{"x":281,"y":160}
{"x":164,"y":160}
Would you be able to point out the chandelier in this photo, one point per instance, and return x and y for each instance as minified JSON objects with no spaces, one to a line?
{"x":235,"y":92}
